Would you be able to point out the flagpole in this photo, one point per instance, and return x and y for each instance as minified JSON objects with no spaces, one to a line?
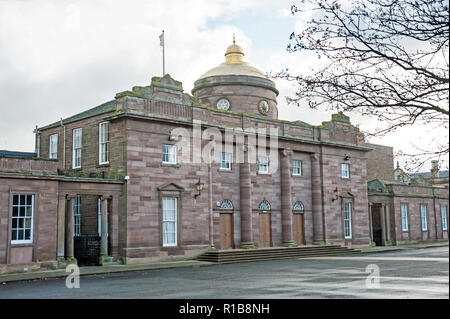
{"x":164,"y":62}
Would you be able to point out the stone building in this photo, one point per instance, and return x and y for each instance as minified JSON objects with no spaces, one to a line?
{"x":131,"y":180}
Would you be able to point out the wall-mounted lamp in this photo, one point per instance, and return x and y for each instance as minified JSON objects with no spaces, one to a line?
{"x":199,"y":187}
{"x":346,"y":158}
{"x":172,"y":138}
{"x":336,"y":194}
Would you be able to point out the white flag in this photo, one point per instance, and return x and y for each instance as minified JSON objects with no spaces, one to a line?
{"x":161,"y":39}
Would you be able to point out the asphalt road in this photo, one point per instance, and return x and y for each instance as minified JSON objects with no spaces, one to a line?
{"x":419,"y":273}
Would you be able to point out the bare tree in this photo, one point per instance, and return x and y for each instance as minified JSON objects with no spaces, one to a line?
{"x":384,"y":58}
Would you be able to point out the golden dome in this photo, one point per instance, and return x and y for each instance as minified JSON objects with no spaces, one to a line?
{"x":234,"y":64}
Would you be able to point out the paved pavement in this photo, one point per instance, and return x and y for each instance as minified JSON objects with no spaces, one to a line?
{"x":413,"y":273}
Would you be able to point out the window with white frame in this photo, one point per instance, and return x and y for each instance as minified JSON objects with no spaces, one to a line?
{"x":345,"y":170}
{"x":76,"y":148}
{"x":297,"y":167}
{"x":404,"y":212}
{"x":77,"y":216}
{"x":263,"y":164}
{"x":444,"y":217}
{"x":169,"y":154}
{"x":103,"y":143}
{"x":348,"y":220}
{"x":423,"y":217}
{"x":22,"y":219}
{"x":225,"y":161}
{"x":53,"y":146}
{"x":169,"y":221}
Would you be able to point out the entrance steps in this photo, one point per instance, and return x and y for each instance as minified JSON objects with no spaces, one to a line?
{"x":274,"y":253}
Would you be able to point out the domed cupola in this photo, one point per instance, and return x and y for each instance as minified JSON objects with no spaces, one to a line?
{"x":237,"y":86}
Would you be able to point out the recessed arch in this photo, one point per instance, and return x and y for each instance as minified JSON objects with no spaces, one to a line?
{"x":226,"y":204}
{"x":264,"y":205}
{"x":298,"y":207}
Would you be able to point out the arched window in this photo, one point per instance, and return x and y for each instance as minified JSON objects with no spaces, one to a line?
{"x":264,"y":205}
{"x":298,"y":206}
{"x":226,"y":204}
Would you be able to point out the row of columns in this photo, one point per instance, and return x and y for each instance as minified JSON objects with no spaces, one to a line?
{"x":385,"y":218}
{"x":286,"y":200}
{"x":66,"y":228}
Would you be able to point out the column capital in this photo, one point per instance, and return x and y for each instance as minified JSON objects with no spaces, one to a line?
{"x":314,"y":156}
{"x":285,"y":152}
{"x":105,"y":196}
{"x":71,"y":196}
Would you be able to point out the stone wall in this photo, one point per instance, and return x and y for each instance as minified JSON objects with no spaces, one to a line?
{"x":380,"y":162}
{"x":27,"y":165}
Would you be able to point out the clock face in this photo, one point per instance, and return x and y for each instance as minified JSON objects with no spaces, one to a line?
{"x":263,"y":107}
{"x":223,"y":104}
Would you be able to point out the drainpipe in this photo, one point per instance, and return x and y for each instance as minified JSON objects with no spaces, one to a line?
{"x":435,"y":217}
{"x":210,"y":204}
{"x":64,"y":143}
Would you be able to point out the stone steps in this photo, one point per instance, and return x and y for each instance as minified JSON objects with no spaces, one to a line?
{"x":248,"y":255}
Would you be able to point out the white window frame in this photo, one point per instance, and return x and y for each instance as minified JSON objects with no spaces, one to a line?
{"x":263,"y":164}
{"x":103,"y":143}
{"x":423,"y":217}
{"x":404,"y":216}
{"x":297,"y":168}
{"x":171,"y":155}
{"x":165,"y":221}
{"x":76,"y":147}
{"x":444,"y":217}
{"x":77,"y":216}
{"x":347,"y":220}
{"x":347,"y":171}
{"x":53,"y":146}
{"x":225,"y":161}
{"x":18,"y":217}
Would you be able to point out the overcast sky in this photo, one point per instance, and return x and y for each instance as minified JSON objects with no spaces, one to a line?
{"x":58,"y":58}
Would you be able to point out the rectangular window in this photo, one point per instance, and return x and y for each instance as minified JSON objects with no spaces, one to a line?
{"x":297,"y":167}
{"x":263,"y":164}
{"x":423,"y":217}
{"x":444,"y":217}
{"x":348,"y":220}
{"x":22,"y":219}
{"x":76,"y":148}
{"x":103,"y":143}
{"x":169,"y":154}
{"x":404,"y":212}
{"x":345,"y":170}
{"x":53,"y":146}
{"x":77,"y":216}
{"x":169,"y":221}
{"x":225,"y":161}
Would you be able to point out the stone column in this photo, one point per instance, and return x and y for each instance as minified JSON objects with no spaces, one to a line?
{"x":62,"y":203}
{"x":383,"y":223}
{"x":69,"y":228}
{"x":317,"y":207}
{"x":388,"y":225}
{"x":286,"y":198}
{"x":370,"y":224}
{"x":246,"y":203}
{"x":104,"y":227}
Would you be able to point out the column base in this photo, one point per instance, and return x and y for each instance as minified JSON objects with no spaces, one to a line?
{"x":290,"y":244}
{"x":319,"y":242}
{"x":63,"y":262}
{"x":247,"y":245}
{"x":107,"y":260}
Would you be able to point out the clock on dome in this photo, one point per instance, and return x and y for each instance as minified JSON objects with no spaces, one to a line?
{"x":263,"y":107}
{"x":223,"y":104}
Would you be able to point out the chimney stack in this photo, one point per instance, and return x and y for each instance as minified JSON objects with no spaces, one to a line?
{"x":434,"y":169}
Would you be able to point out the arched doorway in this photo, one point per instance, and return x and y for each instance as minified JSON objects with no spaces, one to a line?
{"x":226,"y":224}
{"x":265,"y":233}
{"x":298,"y":223}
